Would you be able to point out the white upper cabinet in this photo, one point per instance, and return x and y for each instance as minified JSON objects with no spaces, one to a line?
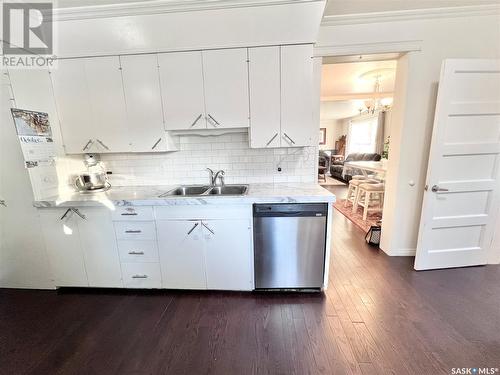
{"x":281,"y":104}
{"x":107,"y":101}
{"x":91,"y":105}
{"x":264,"y":81}
{"x":181,"y":78}
{"x":141,"y":86}
{"x":225,"y":75}
{"x":73,"y":105}
{"x":297,"y":127}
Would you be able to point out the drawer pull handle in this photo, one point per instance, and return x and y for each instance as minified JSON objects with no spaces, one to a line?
{"x":129,"y":214}
{"x":136,"y":252}
{"x":133,"y":231}
{"x":140,"y":277}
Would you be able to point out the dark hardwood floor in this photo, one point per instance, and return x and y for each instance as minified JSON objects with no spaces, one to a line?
{"x":378,"y":316}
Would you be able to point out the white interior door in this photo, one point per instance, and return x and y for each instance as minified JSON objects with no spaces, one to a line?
{"x":225,"y":75}
{"x":181,"y":79}
{"x":461,"y":197}
{"x":141,"y":86}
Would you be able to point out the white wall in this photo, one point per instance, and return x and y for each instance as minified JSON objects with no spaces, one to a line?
{"x":23,"y":262}
{"x":476,"y":36}
{"x":332,"y":133}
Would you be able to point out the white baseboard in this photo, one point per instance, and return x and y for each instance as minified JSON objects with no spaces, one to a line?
{"x":401,"y":252}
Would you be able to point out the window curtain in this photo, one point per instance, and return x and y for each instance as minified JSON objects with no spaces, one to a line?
{"x":379,"y":137}
{"x":366,"y":134}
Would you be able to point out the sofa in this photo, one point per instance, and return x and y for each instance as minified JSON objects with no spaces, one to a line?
{"x":337,"y":167}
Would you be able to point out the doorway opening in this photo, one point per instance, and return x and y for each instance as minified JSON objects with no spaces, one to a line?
{"x":357,"y":94}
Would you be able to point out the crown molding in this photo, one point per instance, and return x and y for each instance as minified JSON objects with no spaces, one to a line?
{"x":402,"y":46}
{"x":413,"y":14}
{"x":160,"y":6}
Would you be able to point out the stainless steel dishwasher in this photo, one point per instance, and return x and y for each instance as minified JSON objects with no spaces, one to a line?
{"x":289,"y":245}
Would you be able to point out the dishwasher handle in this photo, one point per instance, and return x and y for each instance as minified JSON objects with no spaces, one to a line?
{"x":290,"y":210}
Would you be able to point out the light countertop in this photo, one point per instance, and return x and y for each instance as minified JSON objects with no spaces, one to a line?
{"x":149,"y":196}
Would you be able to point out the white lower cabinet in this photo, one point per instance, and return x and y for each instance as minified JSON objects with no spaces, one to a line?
{"x":99,"y":247}
{"x":206,"y":254}
{"x":64,"y":248}
{"x":228,"y":254}
{"x":181,"y":254}
{"x":82,"y":250}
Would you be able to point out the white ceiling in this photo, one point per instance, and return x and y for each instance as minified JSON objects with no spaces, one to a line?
{"x":341,"y":83}
{"x":339,"y":80}
{"x":340,"y":109}
{"x":340,"y":7}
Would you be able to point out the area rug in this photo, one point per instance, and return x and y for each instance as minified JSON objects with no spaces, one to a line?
{"x":357,"y":217}
{"x":331,"y":182}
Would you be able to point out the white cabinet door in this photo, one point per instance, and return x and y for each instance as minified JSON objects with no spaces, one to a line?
{"x":181,"y":254}
{"x":107,"y":101}
{"x":297,"y":127}
{"x":72,"y":99}
{"x":64,"y":250}
{"x":99,"y":247}
{"x":141,"y":86}
{"x":264,"y":81}
{"x":181,"y":78}
{"x":225,"y":75}
{"x":228,"y":254}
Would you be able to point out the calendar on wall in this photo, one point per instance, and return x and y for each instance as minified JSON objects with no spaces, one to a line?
{"x":35,"y":136}
{"x":39,"y":152}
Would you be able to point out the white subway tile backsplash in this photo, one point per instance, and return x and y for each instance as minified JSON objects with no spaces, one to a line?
{"x":229,"y":152}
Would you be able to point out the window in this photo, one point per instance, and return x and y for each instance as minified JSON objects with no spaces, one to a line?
{"x":362,"y":135}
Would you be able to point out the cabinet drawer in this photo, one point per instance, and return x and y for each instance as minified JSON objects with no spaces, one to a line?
{"x":133,"y":213}
{"x":141,"y":275}
{"x":138,"y":251}
{"x":135,"y":230}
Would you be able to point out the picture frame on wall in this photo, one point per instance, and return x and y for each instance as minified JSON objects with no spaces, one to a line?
{"x":322,"y":136}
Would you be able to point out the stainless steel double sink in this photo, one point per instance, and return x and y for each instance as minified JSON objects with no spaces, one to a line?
{"x":204,"y":190}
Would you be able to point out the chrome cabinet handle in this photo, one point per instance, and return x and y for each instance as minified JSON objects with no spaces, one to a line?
{"x":139,"y":276}
{"x":156,"y":144}
{"x":205,"y":225}
{"x":215,"y":122}
{"x":87,"y":145}
{"x":133,"y":231}
{"x":195,"y":121}
{"x":136,"y":252}
{"x":2,"y":203}
{"x":436,"y":189}
{"x":290,"y":139}
{"x":76,"y":211}
{"x":193,"y":228}
{"x":129,"y":214}
{"x":102,"y":144}
{"x":272,"y":139}
{"x":65,"y":214}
